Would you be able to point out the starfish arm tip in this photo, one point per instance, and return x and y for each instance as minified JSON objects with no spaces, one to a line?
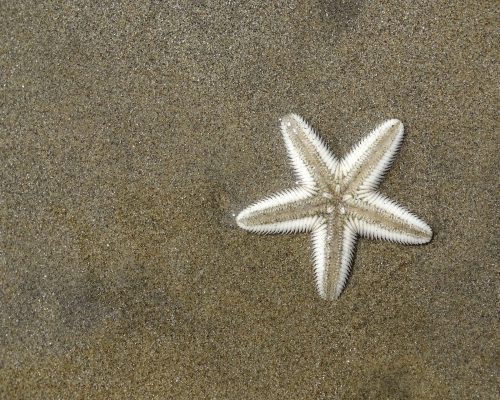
{"x":240,"y":218}
{"x":427,"y":233}
{"x":394,"y":122}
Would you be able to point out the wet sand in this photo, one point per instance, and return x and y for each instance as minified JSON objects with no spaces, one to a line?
{"x":130,"y":135}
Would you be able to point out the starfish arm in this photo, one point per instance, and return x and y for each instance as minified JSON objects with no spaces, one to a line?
{"x":378,"y":217}
{"x":312,"y":161}
{"x":366,"y":164}
{"x":333,"y":250}
{"x":289,"y":211}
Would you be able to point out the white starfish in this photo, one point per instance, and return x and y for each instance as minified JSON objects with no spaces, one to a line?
{"x":336,"y":200}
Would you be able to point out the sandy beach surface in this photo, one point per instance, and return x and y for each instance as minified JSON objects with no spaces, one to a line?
{"x":132,"y":132}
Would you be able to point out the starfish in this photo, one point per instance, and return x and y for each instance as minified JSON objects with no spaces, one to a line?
{"x":336,"y":200}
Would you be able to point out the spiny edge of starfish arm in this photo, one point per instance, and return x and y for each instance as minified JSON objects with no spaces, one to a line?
{"x":359,"y":154}
{"x":349,"y":246}
{"x":298,"y":163}
{"x":279,"y":201}
{"x":320,"y":265}
{"x":373,"y":180}
{"x":302,"y":174}
{"x":422,"y":231}
{"x":319,"y":257}
{"x":299,"y":225}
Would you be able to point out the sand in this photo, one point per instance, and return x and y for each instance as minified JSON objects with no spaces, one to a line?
{"x":131,"y":132}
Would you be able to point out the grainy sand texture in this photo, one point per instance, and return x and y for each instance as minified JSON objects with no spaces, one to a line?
{"x":131,"y":133}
